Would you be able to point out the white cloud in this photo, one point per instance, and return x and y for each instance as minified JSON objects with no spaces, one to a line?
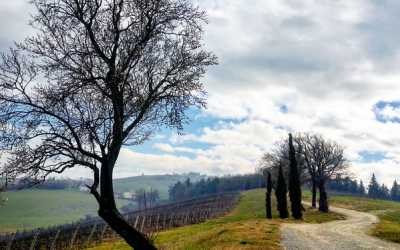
{"x":133,"y":163}
{"x":386,"y":171}
{"x":389,"y":112}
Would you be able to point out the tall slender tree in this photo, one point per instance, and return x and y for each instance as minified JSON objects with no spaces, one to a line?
{"x":294,"y":183}
{"x":395,"y":191}
{"x":280,"y":194}
{"x":361,"y":188}
{"x":373,"y":187}
{"x":268,"y":198}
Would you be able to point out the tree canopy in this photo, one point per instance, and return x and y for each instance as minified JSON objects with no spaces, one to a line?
{"x":99,"y":75}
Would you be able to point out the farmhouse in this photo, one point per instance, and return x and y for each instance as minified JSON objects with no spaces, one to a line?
{"x":124,"y":195}
{"x":83,"y":188}
{"x":118,"y":195}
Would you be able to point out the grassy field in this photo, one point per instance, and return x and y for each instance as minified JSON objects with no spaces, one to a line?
{"x":244,"y":228}
{"x":389,"y":213}
{"x":40,"y":208}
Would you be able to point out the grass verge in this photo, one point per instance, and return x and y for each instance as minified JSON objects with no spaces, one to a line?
{"x":387,"y":211}
{"x":244,"y":228}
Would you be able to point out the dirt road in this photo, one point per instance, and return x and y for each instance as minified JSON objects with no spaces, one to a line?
{"x":346,"y":234}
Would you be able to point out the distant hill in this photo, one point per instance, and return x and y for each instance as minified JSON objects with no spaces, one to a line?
{"x":159,"y":182}
{"x":34,"y":208}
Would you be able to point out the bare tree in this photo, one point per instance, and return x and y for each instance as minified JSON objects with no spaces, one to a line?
{"x":323,"y":159}
{"x":99,"y":75}
{"x":270,"y":161}
{"x":319,"y":161}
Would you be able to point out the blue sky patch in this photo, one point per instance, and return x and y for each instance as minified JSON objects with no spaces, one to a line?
{"x":283,"y":109}
{"x":372,"y":156}
{"x":380,"y":116}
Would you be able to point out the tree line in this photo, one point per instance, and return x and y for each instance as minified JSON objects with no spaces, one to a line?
{"x":211,"y":185}
{"x":372,"y":190}
{"x":50,"y":184}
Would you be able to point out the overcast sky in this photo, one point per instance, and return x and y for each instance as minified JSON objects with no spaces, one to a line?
{"x":327,"y":67}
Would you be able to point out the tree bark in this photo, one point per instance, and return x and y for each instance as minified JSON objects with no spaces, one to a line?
{"x":323,"y":199}
{"x":109,"y":212}
{"x":314,"y":194}
{"x":132,"y":236}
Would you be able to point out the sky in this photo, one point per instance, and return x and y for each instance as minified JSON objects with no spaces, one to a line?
{"x":318,"y":66}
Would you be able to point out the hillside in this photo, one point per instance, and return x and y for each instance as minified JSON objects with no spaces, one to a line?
{"x":247,"y":228}
{"x":244,"y":228}
{"x":159,"y":182}
{"x":40,"y":208}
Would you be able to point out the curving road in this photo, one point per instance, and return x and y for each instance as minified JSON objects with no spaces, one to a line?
{"x":346,"y":234}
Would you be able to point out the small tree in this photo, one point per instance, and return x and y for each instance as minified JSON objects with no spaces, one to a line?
{"x":294,"y":183}
{"x":268,"y":199}
{"x":361,"y":188}
{"x":384,"y":192}
{"x":280,"y":194}
{"x":394,"y":191}
{"x":187,"y":182}
{"x":373,"y":187}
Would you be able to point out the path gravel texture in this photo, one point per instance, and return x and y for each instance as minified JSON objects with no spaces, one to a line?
{"x":346,"y":234}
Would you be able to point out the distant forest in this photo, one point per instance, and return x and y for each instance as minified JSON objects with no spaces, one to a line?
{"x":372,"y":190}
{"x":52,"y":183}
{"x":211,"y":185}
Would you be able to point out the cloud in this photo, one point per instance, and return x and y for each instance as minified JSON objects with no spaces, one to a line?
{"x":386,"y":171}
{"x":329,"y":63}
{"x":389,"y":112}
{"x":132,"y":163}
{"x":15,"y":16}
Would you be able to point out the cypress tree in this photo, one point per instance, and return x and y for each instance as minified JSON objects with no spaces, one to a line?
{"x":394,"y":191}
{"x":361,"y":188}
{"x":373,"y":187}
{"x":280,"y":194}
{"x":294,"y":183}
{"x":268,"y":199}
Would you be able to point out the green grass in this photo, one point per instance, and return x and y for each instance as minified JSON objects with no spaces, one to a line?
{"x":387,"y":211}
{"x":244,"y":228}
{"x":41,"y":208}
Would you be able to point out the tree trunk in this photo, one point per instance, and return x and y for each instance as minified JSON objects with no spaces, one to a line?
{"x":314,"y":194}
{"x":109,"y":212}
{"x":323,"y":199}
{"x":132,"y":236}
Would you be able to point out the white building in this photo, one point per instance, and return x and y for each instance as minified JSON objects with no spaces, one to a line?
{"x":83,"y":188}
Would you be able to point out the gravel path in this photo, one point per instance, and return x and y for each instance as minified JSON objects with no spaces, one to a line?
{"x":346,"y":234}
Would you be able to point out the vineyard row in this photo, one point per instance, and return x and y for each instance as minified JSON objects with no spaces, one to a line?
{"x":149,"y":221}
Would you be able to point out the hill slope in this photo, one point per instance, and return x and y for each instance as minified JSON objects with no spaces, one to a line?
{"x":159,"y":182}
{"x":244,"y":228}
{"x":40,"y":208}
